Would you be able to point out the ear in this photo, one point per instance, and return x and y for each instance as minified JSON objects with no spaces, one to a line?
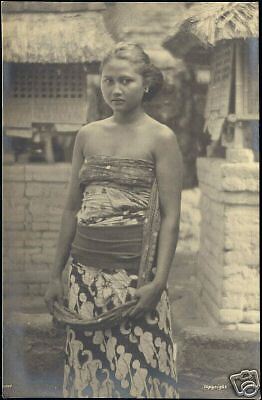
{"x":147,"y":83}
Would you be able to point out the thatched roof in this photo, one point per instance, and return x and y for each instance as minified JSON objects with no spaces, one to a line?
{"x":206,"y":23}
{"x":54,"y":37}
{"x":49,"y":6}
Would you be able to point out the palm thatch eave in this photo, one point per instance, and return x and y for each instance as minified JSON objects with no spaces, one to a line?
{"x":205,"y":24}
{"x":55,"y":38}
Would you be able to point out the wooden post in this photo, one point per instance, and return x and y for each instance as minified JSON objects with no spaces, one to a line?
{"x":239,"y":99}
{"x":49,"y":153}
{"x":238,"y":152}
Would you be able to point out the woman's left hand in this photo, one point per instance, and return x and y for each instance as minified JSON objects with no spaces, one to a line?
{"x":148,"y":295}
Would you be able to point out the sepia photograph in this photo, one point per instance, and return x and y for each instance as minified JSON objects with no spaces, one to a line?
{"x":120,"y":118}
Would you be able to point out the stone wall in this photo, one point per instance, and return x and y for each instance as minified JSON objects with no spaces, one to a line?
{"x":228,"y":268}
{"x":34,"y":197}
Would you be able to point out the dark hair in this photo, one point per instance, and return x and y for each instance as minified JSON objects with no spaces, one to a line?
{"x":135,"y":54}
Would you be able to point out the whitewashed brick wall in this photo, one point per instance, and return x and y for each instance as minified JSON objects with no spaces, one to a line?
{"x":189,"y":222}
{"x":228,"y":267}
{"x":34,"y":197}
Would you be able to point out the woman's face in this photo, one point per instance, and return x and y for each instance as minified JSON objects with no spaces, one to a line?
{"x":122,"y":86}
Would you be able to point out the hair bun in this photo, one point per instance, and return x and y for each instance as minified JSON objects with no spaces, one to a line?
{"x":155,"y":79}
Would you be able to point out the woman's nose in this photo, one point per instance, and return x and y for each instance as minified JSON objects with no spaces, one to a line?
{"x":116,"y":89}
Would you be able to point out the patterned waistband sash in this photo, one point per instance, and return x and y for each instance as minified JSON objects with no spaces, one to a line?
{"x":108,"y":247}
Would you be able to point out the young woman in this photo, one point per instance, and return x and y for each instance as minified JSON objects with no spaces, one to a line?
{"x":120,"y":225}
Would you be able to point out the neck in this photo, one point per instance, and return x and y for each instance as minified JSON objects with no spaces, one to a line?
{"x":128,"y":117}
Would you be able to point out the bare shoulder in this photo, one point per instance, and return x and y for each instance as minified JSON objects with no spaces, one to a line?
{"x":168,"y":158}
{"x":87,"y":133}
{"x":163,"y":132}
{"x":95,"y":126}
{"x":164,"y":139}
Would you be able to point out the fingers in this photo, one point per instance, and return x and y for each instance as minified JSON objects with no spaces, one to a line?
{"x":50,"y":305}
{"x":139,"y":315}
{"x":137,"y":293}
{"x":50,"y":300}
{"x":60,"y":300}
{"x":54,"y":293}
{"x":134,"y":295}
{"x":137,"y":312}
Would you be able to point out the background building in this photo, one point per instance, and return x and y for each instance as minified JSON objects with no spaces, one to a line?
{"x":227,"y":35}
{"x":50,"y":54}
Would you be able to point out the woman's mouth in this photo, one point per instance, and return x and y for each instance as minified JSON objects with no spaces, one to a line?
{"x":117,"y":101}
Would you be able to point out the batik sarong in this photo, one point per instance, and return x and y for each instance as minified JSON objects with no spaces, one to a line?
{"x":137,"y":357}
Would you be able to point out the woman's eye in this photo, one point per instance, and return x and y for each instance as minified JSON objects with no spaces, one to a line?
{"x":107,"y":80}
{"x":126,"y":81}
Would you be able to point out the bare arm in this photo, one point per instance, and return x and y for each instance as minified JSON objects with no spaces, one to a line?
{"x":169,"y":178}
{"x":72,"y":206}
{"x":68,"y":226}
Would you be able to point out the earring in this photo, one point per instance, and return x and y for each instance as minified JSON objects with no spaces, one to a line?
{"x":146,"y":90}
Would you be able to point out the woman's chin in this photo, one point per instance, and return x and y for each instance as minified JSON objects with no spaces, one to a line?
{"x":120,"y":107}
{"x":118,"y":104}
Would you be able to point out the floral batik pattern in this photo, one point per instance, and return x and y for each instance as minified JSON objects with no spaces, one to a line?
{"x":136,"y":359}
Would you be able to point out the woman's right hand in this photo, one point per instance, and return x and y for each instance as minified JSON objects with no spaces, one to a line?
{"x":54,"y":293}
